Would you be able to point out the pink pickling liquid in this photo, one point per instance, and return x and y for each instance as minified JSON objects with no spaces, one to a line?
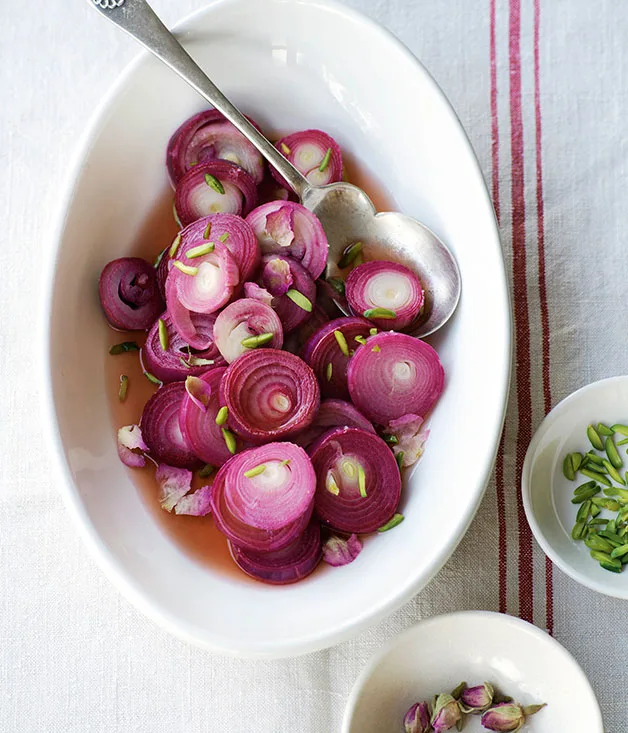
{"x":197,"y":536}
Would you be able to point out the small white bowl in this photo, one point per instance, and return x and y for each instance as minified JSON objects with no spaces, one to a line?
{"x":547,"y":493}
{"x":476,"y":646}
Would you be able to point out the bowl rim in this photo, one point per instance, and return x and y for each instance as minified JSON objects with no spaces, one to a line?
{"x":526,"y":490}
{"x":96,"y":545}
{"x":461,"y":617}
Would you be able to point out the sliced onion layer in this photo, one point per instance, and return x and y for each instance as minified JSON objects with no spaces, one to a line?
{"x":244,"y":325}
{"x":388,"y":288}
{"x":217,"y":187}
{"x":263,"y":498}
{"x":198,"y":425}
{"x":313,"y":152}
{"x":270,"y":395}
{"x":329,"y":351}
{"x":202,"y":284}
{"x":332,"y":414}
{"x":129,"y":294}
{"x":287,"y":228}
{"x":227,"y":229}
{"x":178,"y":361}
{"x":209,"y":136}
{"x":358,"y":484}
{"x":298,"y":337}
{"x":161,"y":431}
{"x":280,"y":567}
{"x":285,"y":274}
{"x":395,"y":374}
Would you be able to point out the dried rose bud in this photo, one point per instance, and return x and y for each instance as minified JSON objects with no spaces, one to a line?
{"x":417,"y":719}
{"x":475,"y":700}
{"x":446,"y":713}
{"x":508,"y":716}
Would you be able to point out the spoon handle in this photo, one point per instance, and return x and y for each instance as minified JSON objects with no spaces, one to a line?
{"x":138,"y":19}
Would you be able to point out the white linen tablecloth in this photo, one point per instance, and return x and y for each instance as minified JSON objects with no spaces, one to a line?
{"x":542,"y":89}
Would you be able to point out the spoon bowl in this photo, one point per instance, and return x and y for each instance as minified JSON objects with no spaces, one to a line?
{"x":345,"y":211}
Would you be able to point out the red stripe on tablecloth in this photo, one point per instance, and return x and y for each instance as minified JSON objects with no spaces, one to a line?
{"x":499,"y":463}
{"x":522,"y":321}
{"x":545,"y":327}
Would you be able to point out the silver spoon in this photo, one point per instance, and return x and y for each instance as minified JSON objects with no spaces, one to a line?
{"x":345,"y":211}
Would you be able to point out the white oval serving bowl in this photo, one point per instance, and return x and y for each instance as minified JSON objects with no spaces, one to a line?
{"x":547,"y":493}
{"x":367,"y":90}
{"x":476,"y":646}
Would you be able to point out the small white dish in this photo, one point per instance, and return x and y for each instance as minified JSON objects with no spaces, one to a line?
{"x":370,"y":93}
{"x":437,"y":654}
{"x":547,"y":493}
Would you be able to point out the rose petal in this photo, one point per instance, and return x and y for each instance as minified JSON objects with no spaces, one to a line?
{"x":253,"y":290}
{"x":197,"y":504}
{"x":174,"y":484}
{"x":411,"y":438}
{"x":199,"y":392}
{"x":277,"y":277}
{"x":280,"y":226}
{"x":130,"y":440}
{"x":338,"y":551}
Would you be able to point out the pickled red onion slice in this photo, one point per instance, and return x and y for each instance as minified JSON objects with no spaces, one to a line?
{"x":247,"y":324}
{"x":313,"y":152}
{"x":129,"y":294}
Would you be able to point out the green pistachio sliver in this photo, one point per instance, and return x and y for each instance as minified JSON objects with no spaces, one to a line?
{"x":397,"y":519}
{"x":360,"y":339}
{"x":600,"y":556}
{"x":207,"y":232}
{"x":594,"y":438}
{"x":185,"y":269}
{"x":163,"y":335}
{"x":595,"y":510}
{"x":568,"y":469}
{"x":595,"y":476}
{"x":621,"y":429}
{"x":584,"y":487}
{"x":613,"y":491}
{"x":124,"y":386}
{"x":612,"y":526}
{"x":576,"y":460}
{"x":611,"y":452}
{"x":376,"y":349}
{"x":604,"y":503}
{"x":612,"y":537}
{"x":285,"y":462}
{"x":152,"y":378}
{"x":342,"y":342}
{"x":214,"y":183}
{"x":614,"y":566}
{"x":174,"y":246}
{"x":325,"y":162}
{"x":583,"y":511}
{"x":338,"y":284}
{"x":622,"y":442}
{"x":622,"y":495}
{"x":329,"y":371}
{"x":349,"y":254}
{"x":591,"y":456}
{"x":206,"y":471}
{"x":252,"y":472}
{"x":614,"y":473}
{"x":362,"y":482}
{"x":224,"y":237}
{"x":578,"y":531}
{"x":200,"y":251}
{"x":604,"y":429}
{"x":391,"y":439}
{"x":252,"y":342}
{"x":185,"y":363}
{"x":159,"y":258}
{"x":230,"y":440}
{"x":619,"y":551}
{"x":373,"y":331}
{"x":598,"y":522}
{"x":123,"y":348}
{"x":399,"y":459}
{"x":595,"y":542}
{"x":383,"y":313}
{"x":585,"y":495}
{"x":285,"y":149}
{"x":300,"y":300}
{"x":222,"y":416}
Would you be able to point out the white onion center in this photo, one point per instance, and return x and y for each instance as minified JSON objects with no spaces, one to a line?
{"x":403,"y":375}
{"x":281,"y":402}
{"x":205,"y":200}
{"x":208,"y":282}
{"x":308,"y":155}
{"x":390,"y":290}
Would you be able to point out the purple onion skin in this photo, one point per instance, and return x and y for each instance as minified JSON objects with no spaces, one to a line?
{"x":244,"y":535}
{"x":160,"y":428}
{"x":247,"y":386}
{"x":297,"y":338}
{"x":228,"y":174}
{"x":382,"y":385}
{"x":269,"y":190}
{"x":311,"y":170}
{"x":238,"y":238}
{"x":129,"y":294}
{"x":199,"y":427}
{"x":359,"y":281}
{"x":348,"y":511}
{"x":309,"y":243}
{"x":167,"y":365}
{"x":281,"y":567}
{"x":162,"y":271}
{"x":290,"y":314}
{"x":332,"y":414}
{"x":190,"y":144}
{"x":322,"y":348}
